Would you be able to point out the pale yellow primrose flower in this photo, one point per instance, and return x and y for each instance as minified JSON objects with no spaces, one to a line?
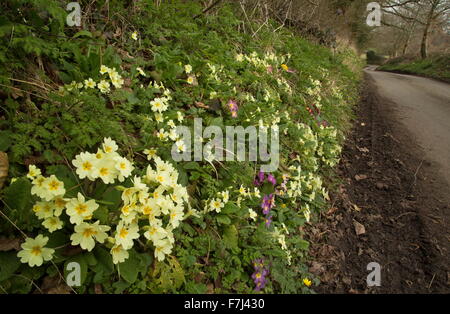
{"x":252,"y":214}
{"x":141,"y":72}
{"x":126,"y":234}
{"x":104,"y":69}
{"x":52,"y":224}
{"x":52,"y":188}
{"x":79,"y":210}
{"x":151,"y":153}
{"x":34,"y":251}
{"x":89,"y":83}
{"x":190,"y":79}
{"x":33,"y":172}
{"x":104,"y":86}
{"x":119,"y":254}
{"x":86,"y":234}
{"x":188,"y":68}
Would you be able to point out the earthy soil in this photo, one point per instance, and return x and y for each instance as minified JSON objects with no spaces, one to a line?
{"x":397,"y":202}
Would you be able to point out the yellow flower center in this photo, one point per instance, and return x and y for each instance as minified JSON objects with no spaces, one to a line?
{"x":117,"y":249}
{"x":81,"y":208}
{"x":108,"y":149}
{"x":104,"y":171}
{"x":258,"y":275}
{"x":147,"y":210}
{"x":126,"y":209}
{"x":59,"y":202}
{"x":87,"y":166}
{"x":88,"y":232}
{"x":99,"y":155}
{"x":36,"y":250}
{"x":54,"y":185}
{"x":123,"y":233}
{"x":122,"y":166}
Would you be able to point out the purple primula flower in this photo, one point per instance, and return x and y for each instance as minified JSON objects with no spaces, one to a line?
{"x":261,"y":176}
{"x":268,"y":221}
{"x":267,"y":203}
{"x":232,"y":105}
{"x":271,"y":179}
{"x":259,"y":276}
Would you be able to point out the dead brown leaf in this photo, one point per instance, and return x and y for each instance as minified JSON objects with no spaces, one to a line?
{"x":359,"y":228}
{"x":360,"y":177}
{"x":9,"y":244}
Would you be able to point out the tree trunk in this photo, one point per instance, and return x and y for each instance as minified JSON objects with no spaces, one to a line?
{"x":423,"y":45}
{"x":405,"y":47}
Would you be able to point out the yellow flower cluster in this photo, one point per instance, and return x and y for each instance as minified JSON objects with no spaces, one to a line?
{"x":216,"y":204}
{"x":106,"y":164}
{"x":50,"y":190}
{"x":140,"y":201}
{"x":103,"y":85}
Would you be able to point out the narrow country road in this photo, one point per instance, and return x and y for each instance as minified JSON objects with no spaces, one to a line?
{"x":423,"y":106}
{"x":393,"y":206}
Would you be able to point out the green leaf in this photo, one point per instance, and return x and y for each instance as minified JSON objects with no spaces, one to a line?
{"x":83,"y":33}
{"x":101,"y":214}
{"x":9,"y":263}
{"x":129,"y":269}
{"x":230,"y":208}
{"x":120,"y":286}
{"x":230,"y":237}
{"x":223,"y":219}
{"x":104,"y":259}
{"x":5,"y":140}
{"x":192,"y":165}
{"x":18,"y":194}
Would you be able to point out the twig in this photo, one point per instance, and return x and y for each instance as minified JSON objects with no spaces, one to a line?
{"x":431,"y":282}
{"x":7,"y":218}
{"x":415,"y":174}
{"x":208,"y":8}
